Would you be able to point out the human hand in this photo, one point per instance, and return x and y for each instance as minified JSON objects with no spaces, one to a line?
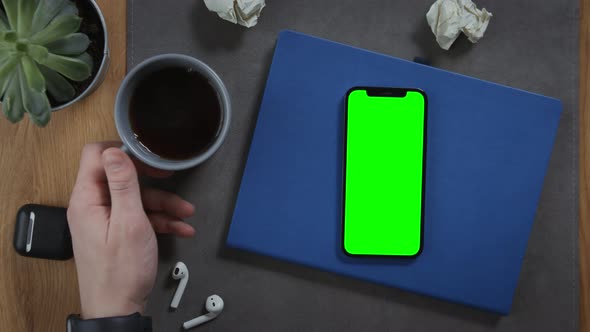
{"x":112,"y":223}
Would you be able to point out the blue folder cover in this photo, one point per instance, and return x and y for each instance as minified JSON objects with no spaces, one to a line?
{"x":488,"y":147}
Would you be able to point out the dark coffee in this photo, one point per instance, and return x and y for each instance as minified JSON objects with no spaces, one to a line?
{"x":175,"y":113}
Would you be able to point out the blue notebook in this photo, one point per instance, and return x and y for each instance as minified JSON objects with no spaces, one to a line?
{"x":488,"y":147}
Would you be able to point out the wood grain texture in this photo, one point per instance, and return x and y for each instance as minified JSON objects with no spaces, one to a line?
{"x":40,"y":166}
{"x":584,"y":231}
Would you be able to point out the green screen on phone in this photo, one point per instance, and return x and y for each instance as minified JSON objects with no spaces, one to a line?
{"x":383,"y":172}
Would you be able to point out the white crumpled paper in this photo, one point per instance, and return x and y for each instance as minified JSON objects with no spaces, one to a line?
{"x":243,"y":12}
{"x":448,"y":18}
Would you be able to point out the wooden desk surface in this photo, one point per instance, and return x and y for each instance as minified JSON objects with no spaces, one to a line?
{"x":37,"y":295}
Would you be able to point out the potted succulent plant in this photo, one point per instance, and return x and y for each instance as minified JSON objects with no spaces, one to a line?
{"x":52,"y":54}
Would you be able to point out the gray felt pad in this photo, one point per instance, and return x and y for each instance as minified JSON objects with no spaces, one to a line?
{"x":530,"y":44}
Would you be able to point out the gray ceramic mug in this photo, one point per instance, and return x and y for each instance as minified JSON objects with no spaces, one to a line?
{"x":130,"y":143}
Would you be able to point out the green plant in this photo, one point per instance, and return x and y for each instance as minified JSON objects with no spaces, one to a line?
{"x":40,"y":50}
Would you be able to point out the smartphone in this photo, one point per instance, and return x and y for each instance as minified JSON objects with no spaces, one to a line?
{"x":384,"y":163}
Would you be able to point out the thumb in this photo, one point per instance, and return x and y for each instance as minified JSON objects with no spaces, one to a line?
{"x":122,"y":180}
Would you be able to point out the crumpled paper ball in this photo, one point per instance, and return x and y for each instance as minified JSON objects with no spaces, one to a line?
{"x":448,"y":18}
{"x":242,"y":12}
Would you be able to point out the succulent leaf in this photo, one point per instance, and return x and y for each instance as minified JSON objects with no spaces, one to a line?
{"x":47,"y":11}
{"x":58,"y":28}
{"x":33,"y":75}
{"x":4,"y":83}
{"x":75,"y":69}
{"x":26,"y":10}
{"x":4,"y":26}
{"x":38,"y":53}
{"x":12,"y":105}
{"x":11,"y":9}
{"x":4,"y":56}
{"x":72,"y":44}
{"x":8,"y":66}
{"x":86,"y":58}
{"x":8,"y":36}
{"x":59,"y":88}
{"x":35,"y":103}
{"x":68,"y":9}
{"x":42,"y":119}
{"x":4,"y":46}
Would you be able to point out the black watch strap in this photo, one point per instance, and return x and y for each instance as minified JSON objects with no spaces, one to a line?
{"x":132,"y":323}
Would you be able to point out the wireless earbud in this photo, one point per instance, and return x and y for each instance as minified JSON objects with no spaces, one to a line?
{"x":214,"y":306}
{"x":180,"y":272}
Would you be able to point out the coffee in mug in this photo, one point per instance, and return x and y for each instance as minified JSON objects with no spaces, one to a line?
{"x":172,"y":112}
{"x":175,"y":113}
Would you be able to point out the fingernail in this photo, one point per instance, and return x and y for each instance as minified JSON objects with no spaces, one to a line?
{"x":112,"y":161}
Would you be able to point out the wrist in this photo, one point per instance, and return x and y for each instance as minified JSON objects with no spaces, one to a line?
{"x":129,"y":323}
{"x":110,"y":309}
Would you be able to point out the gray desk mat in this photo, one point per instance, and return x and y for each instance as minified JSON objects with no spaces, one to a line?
{"x":530,"y":44}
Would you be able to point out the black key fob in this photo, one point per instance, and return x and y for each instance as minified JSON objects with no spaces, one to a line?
{"x":42,"y":232}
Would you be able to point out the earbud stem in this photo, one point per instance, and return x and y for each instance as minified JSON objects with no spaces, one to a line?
{"x":178,"y":293}
{"x":198,"y":321}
